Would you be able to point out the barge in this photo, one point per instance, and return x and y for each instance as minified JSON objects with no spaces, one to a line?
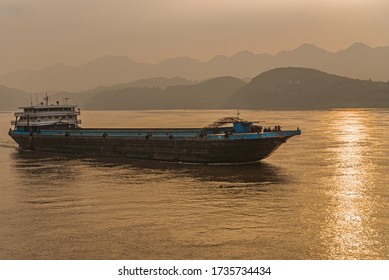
{"x":56,"y":128}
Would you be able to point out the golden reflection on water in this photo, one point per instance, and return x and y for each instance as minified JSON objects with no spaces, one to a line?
{"x":349,"y":231}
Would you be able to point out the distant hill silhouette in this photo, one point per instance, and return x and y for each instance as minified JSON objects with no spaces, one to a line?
{"x":11,"y":99}
{"x":303,"y":88}
{"x":205,"y":95}
{"x":358,"y":61}
{"x":81,"y":98}
{"x":282,"y":88}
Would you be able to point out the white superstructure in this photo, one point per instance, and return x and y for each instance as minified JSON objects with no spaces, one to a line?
{"x":47,"y":116}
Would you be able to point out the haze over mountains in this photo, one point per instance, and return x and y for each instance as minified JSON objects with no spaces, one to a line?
{"x":359,"y":61}
{"x":296,"y":79}
{"x":205,"y":95}
{"x":11,"y":99}
{"x":285,"y":88}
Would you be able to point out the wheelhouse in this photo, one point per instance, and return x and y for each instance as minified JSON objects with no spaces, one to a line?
{"x":46,"y":116}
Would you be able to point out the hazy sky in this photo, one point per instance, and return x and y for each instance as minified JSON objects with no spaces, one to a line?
{"x":38,"y":33}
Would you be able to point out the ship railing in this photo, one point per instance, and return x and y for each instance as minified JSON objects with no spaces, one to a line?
{"x":48,"y":114}
{"x":123,"y":133}
{"x":280,"y":134}
{"x":45,"y":123}
{"x":282,"y":128}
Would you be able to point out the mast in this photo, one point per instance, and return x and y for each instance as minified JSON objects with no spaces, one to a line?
{"x":46,"y":99}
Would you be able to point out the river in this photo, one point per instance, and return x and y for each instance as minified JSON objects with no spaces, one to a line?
{"x":322,"y":195}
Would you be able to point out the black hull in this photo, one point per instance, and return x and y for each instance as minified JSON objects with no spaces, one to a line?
{"x":175,"y":150}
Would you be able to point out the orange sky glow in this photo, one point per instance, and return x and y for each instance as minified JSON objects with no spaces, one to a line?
{"x":38,"y":33}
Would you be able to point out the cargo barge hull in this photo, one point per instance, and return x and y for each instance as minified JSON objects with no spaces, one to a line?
{"x":196,"y":150}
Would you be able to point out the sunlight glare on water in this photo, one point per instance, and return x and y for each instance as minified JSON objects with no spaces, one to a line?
{"x":349,"y":218}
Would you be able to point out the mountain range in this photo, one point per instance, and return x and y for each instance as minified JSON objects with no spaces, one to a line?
{"x":358,"y":61}
{"x":283,"y":88}
{"x":209,"y":94}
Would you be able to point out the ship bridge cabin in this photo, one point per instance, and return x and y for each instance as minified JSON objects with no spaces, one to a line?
{"x":45,"y":116}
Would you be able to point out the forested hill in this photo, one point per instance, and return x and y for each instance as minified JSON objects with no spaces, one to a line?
{"x":304,"y":88}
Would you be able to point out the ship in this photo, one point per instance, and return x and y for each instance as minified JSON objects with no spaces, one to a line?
{"x":56,"y":128}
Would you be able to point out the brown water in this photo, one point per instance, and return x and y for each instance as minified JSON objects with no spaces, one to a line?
{"x":323,"y":195}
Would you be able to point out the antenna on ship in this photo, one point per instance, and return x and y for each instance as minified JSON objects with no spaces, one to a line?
{"x":65,"y":100}
{"x":46,"y":98}
{"x":36,"y":98}
{"x":31,"y":98}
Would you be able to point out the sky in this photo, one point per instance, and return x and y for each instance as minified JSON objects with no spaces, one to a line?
{"x":39,"y":33}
